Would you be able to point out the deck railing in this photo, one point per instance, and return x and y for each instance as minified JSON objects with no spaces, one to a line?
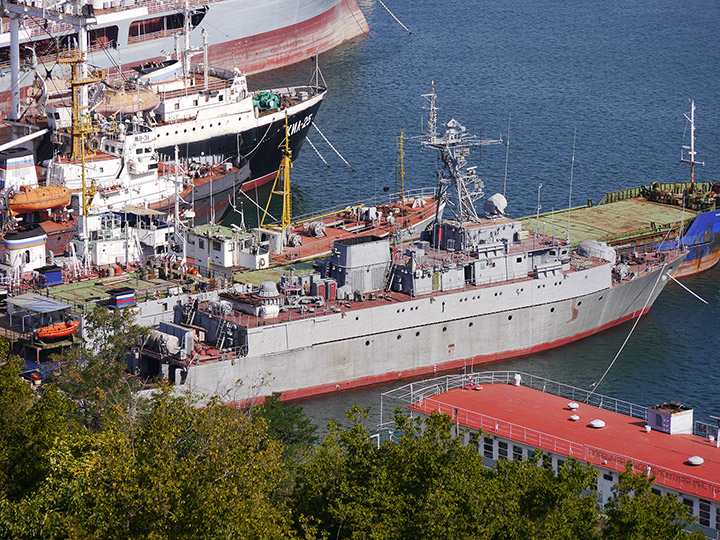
{"x":421,"y":396}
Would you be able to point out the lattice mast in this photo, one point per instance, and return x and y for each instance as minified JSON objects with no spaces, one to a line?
{"x":454,"y":147}
{"x":82,"y":125}
{"x":284,"y":191}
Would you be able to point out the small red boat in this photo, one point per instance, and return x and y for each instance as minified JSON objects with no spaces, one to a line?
{"x":58,"y":330}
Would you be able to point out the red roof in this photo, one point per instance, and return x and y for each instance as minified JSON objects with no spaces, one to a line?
{"x":541,"y":420}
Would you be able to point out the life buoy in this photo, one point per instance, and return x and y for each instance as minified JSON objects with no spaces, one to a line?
{"x":261,"y":263}
{"x":94,"y":144}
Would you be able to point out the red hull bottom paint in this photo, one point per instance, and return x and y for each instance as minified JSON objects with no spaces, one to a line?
{"x":474,"y":360}
{"x":271,"y":50}
{"x":257,"y":182}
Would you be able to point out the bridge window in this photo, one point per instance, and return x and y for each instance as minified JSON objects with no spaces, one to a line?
{"x":517,"y":453}
{"x":502,"y":449}
{"x":488,"y":449}
{"x":704,"y":513}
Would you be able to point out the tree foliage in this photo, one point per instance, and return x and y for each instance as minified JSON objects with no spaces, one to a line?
{"x":288,"y":424}
{"x":94,"y":376}
{"x":426,"y":483}
{"x":635,"y":513}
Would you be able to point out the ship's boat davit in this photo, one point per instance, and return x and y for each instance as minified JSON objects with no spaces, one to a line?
{"x":40,"y":198}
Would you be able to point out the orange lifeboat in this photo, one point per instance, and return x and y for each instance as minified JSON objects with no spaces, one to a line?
{"x":58,"y":330}
{"x":40,"y":198}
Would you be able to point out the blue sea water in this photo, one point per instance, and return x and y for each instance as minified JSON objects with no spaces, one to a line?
{"x":612,"y":78}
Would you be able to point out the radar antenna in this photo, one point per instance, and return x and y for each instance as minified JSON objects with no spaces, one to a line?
{"x":454,"y":147}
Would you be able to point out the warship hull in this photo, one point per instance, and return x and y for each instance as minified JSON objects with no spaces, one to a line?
{"x":388,"y":341}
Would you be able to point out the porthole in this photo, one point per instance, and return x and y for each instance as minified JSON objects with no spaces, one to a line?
{"x":357,"y":318}
{"x":399,"y":336}
{"x":580,"y":303}
{"x":509,"y":317}
{"x":444,"y":328}
{"x":552,"y":310}
{"x":367,"y":343}
{"x":470,"y":324}
{"x":600,"y":298}
{"x":417,"y":334}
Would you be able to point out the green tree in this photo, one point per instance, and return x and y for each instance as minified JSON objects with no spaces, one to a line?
{"x":288,"y":424}
{"x":532,"y":500}
{"x":94,"y":375}
{"x":31,"y":421}
{"x":426,"y":483}
{"x":635,"y":512}
{"x":175,"y":471}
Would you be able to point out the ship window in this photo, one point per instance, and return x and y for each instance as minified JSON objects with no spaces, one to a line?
{"x":139,"y":151}
{"x":656,"y":492}
{"x":201,"y":244}
{"x":517,"y":453}
{"x":221,"y":97}
{"x":195,"y":102}
{"x":658,"y":420}
{"x":690,"y":504}
{"x":177,"y":108}
{"x":148,"y":150}
{"x":216,"y":245}
{"x":107,"y":147}
{"x":717,"y":518}
{"x":164,"y":306}
{"x":560,"y":463}
{"x":593,"y":485}
{"x":103,"y":37}
{"x":519,"y":259}
{"x":608,"y":477}
{"x":704,"y":513}
{"x":488,"y":449}
{"x":502,"y":449}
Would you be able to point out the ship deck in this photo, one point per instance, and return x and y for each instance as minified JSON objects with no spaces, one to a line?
{"x":629,"y":219}
{"x":383,"y":297}
{"x":542,"y":420}
{"x":343,"y":225}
